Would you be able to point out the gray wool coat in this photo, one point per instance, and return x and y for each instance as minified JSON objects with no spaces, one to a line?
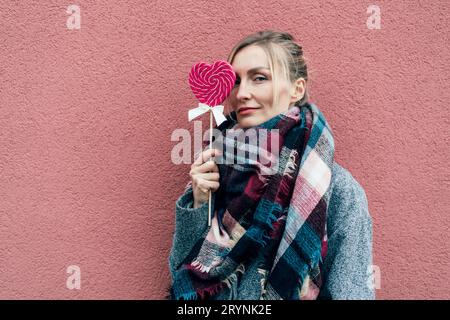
{"x":347,"y":265}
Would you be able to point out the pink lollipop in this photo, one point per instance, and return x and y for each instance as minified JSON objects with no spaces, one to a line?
{"x":211,"y":84}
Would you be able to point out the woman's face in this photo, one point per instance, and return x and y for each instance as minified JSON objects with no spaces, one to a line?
{"x":252,"y":95}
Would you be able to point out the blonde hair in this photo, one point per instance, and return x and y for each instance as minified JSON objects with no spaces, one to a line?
{"x":285,"y":58}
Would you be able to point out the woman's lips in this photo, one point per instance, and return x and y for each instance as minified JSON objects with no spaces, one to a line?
{"x":245,"y":111}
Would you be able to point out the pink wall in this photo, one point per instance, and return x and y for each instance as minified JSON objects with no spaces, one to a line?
{"x":86,"y":117}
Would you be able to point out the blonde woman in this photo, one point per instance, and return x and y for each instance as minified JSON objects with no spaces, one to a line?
{"x":297,"y":230}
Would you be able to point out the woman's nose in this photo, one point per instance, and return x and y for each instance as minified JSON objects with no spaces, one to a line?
{"x":243,"y":92}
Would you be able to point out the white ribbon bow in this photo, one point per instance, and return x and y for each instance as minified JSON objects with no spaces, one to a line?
{"x":202,"y":108}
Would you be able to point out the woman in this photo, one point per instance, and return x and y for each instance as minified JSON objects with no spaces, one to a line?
{"x":299,"y":231}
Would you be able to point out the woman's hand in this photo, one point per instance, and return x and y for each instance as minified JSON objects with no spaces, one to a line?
{"x":205,"y":176}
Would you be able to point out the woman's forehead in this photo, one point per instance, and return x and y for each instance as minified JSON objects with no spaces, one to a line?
{"x":249,"y":59}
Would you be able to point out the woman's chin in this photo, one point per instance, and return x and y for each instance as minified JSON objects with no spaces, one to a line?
{"x":249,"y":121}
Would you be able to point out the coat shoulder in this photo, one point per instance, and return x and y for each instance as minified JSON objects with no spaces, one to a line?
{"x":348,"y":201}
{"x":343,"y":183}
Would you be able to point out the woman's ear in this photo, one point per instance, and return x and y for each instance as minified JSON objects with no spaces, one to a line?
{"x":298,"y":90}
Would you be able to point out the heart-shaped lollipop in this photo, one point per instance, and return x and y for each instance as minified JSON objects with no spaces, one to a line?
{"x":211,"y":84}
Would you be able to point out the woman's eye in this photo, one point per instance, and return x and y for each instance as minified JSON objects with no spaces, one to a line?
{"x":260,"y":78}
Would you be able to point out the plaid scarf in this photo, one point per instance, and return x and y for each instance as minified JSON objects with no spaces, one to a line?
{"x":273,"y":210}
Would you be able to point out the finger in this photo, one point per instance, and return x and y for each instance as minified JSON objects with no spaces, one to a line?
{"x":208,"y":167}
{"x":215,"y":186}
{"x":205,"y":185}
{"x":205,"y":156}
{"x":199,"y":183}
{"x":210,"y":176}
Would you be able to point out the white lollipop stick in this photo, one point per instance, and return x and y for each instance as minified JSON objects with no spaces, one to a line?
{"x":217,"y":112}
{"x":210,"y":147}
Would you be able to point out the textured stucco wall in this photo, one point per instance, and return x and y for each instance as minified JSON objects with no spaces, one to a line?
{"x":86,"y":116}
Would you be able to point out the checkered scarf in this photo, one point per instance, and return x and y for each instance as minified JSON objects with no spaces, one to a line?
{"x":273,"y":210}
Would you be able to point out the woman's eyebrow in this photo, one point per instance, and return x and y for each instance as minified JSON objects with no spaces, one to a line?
{"x":255,"y":70}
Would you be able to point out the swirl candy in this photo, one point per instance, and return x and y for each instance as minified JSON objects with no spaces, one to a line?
{"x":211,"y":84}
